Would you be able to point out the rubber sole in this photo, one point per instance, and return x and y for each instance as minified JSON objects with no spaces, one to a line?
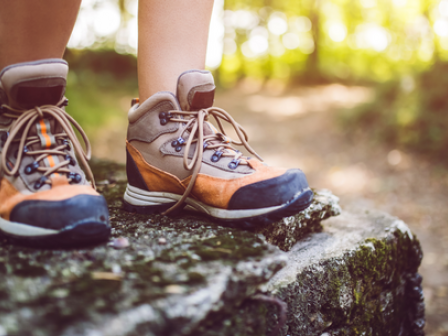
{"x":145,"y":202}
{"x":82,"y":234}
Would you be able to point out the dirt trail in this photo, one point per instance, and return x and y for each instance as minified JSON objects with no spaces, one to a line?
{"x":298,"y":128}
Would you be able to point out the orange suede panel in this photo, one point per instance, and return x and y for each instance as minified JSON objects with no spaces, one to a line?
{"x":155,"y":179}
{"x":217,"y":192}
{"x":10,"y":197}
{"x":208,"y":189}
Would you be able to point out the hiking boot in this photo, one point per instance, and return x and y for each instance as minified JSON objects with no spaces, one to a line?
{"x":176,"y":159}
{"x":45,"y":198}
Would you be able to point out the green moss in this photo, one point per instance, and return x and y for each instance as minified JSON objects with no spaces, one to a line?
{"x":236,"y":246}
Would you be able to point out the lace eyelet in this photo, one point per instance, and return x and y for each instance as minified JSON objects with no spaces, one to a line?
{"x":164,"y":117}
{"x":205,"y":145}
{"x":40,"y":182}
{"x":71,"y":159}
{"x":178,"y":142}
{"x":216,"y":156}
{"x":25,"y":149}
{"x":67,"y":143}
{"x":31,"y":168}
{"x":233,"y":164}
{"x":74,"y":177}
{"x":178,"y":148}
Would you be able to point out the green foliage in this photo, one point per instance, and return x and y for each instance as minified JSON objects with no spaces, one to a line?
{"x":306,"y":41}
{"x":100,"y":87}
{"x":411,"y":114}
{"x":346,"y":41}
{"x":106,"y":63}
{"x":396,"y":43}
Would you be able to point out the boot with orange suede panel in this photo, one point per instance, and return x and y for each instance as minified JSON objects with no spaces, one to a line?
{"x":176,"y":159}
{"x":45,"y":198}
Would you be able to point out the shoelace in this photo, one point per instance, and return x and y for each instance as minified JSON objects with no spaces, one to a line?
{"x":219,"y":142}
{"x":25,"y":119}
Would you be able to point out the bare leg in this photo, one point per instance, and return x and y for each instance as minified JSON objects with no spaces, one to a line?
{"x":31,"y":30}
{"x":172,"y":38}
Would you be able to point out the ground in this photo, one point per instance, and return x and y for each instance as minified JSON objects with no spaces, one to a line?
{"x":299,"y":127}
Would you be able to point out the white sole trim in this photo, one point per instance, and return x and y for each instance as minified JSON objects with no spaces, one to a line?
{"x":140,"y":197}
{"x":24,"y":230}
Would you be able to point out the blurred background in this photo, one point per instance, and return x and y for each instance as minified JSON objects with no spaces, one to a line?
{"x":355,"y":93}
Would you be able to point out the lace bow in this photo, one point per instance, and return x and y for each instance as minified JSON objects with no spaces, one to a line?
{"x":220,"y":142}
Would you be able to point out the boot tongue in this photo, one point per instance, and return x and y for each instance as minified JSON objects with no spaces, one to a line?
{"x":195,"y":90}
{"x":32,"y":84}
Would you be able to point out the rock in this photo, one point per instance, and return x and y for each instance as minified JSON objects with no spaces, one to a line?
{"x":188,"y":276}
{"x":147,"y":288}
{"x":288,"y":231}
{"x":157,"y":276}
{"x":357,"y":277}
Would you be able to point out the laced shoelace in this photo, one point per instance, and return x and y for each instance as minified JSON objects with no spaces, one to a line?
{"x":20,"y":128}
{"x":220,"y":142}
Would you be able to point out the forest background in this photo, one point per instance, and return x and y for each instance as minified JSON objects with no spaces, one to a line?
{"x":399,"y":47}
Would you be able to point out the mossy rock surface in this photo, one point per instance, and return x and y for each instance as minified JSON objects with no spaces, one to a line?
{"x":185,"y":275}
{"x":356,"y":277}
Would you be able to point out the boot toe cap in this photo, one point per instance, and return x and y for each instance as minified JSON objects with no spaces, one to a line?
{"x":82,"y":213}
{"x":272,"y":192}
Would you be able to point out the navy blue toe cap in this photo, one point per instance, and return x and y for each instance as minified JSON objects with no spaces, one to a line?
{"x":272,"y":192}
{"x":66,"y":214}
